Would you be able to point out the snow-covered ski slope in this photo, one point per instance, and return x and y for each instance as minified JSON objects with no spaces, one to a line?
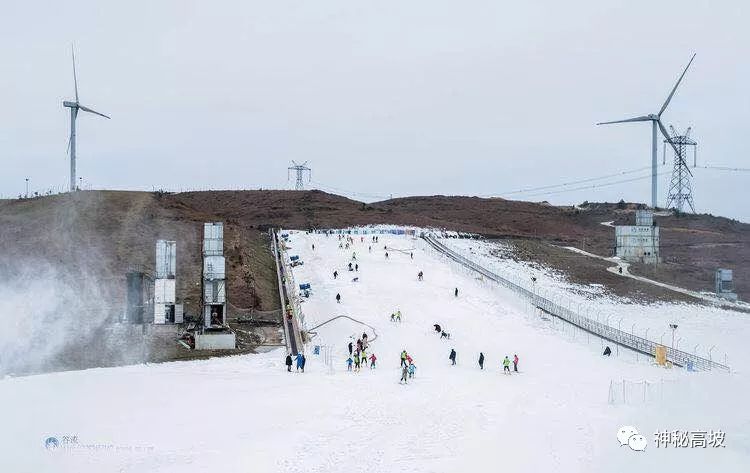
{"x":246,"y":413}
{"x":700,"y":327}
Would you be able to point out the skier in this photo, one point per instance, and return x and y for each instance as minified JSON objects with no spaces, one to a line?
{"x":404,"y":375}
{"x":356,"y":361}
{"x":437,"y":328}
{"x":350,"y":266}
{"x":373,"y":359}
{"x":515,"y":363}
{"x":506,"y":365}
{"x":409,"y":359}
{"x":338,"y":298}
{"x":350,"y":348}
{"x":364,"y":339}
{"x":335,"y":274}
{"x":412,"y":255}
{"x":313,"y":246}
{"x":349,"y":362}
{"x":455,"y":293}
{"x":445,"y":334}
{"x":393,"y":317}
{"x":607,"y":351}
{"x":369,"y":249}
{"x":354,"y":255}
{"x":289,"y":362}
{"x":304,"y":360}
{"x":452,"y":356}
{"x":403,"y":358}
{"x":356,"y":267}
{"x":481,"y":360}
{"x":420,"y":275}
{"x":412,"y":370}
{"x":299,"y":361}
{"x":398,"y":315}
{"x":386,"y":255}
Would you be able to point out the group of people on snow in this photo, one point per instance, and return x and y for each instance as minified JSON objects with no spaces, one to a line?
{"x":408,"y":368}
{"x":300,"y":359}
{"x":359,"y":355}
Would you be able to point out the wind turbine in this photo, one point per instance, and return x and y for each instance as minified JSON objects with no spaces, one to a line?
{"x":656,"y":122}
{"x":74,"y":108}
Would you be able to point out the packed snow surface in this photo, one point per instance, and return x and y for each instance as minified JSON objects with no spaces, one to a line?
{"x":248,"y":414}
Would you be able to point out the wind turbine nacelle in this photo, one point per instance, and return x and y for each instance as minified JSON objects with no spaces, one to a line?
{"x":69,"y":104}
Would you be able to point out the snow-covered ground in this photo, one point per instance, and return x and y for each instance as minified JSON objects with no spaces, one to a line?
{"x":246,"y":413}
{"x":700,"y":327}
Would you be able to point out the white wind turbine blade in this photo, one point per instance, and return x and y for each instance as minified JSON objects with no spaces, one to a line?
{"x":86,"y":109}
{"x":75,"y":78}
{"x":671,"y":94}
{"x":643,"y":118}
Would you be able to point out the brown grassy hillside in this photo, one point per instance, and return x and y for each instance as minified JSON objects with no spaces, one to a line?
{"x":102,"y":233}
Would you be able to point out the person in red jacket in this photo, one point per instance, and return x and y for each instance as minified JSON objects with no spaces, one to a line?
{"x":515,"y":363}
{"x":373,"y":358}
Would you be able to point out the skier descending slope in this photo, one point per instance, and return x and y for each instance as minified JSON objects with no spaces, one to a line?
{"x":481,"y":360}
{"x":404,"y":375}
{"x":452,"y":357}
{"x":506,"y":365}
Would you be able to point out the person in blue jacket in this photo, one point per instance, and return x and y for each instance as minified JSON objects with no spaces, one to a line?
{"x":349,"y":362}
{"x":300,"y":363}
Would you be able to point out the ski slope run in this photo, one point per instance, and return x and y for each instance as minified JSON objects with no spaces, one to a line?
{"x":246,"y":413}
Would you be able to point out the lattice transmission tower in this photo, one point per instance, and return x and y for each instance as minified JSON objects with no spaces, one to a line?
{"x":680,"y":195}
{"x":300,"y":169}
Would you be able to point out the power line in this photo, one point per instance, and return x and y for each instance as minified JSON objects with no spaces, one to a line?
{"x":579,"y":181}
{"x":725,"y":168}
{"x":350,"y":193}
{"x":595,"y":186}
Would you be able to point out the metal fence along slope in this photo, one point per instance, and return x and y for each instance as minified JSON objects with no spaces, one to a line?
{"x":607,"y":332}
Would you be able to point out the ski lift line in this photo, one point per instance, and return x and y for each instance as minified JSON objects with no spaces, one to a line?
{"x":580,"y":181}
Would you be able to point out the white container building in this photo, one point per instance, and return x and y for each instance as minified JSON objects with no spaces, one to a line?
{"x":638,"y":243}
{"x":166,"y":309}
{"x":214,"y":276}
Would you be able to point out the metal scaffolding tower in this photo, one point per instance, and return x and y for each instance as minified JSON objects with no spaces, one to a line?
{"x":680,"y":194}
{"x":300,"y":169}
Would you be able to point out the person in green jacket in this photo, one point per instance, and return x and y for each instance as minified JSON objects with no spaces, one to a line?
{"x":506,"y":365}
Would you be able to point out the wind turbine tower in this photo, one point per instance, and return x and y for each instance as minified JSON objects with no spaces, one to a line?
{"x":680,"y":193}
{"x":74,"y":108}
{"x":655,"y":120}
{"x":300,"y":169}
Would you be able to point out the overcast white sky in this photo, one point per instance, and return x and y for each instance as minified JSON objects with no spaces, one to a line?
{"x":381,"y":97}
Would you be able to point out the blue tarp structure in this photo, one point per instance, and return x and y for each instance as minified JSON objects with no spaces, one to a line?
{"x":305,"y":286}
{"x":294,"y":258}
